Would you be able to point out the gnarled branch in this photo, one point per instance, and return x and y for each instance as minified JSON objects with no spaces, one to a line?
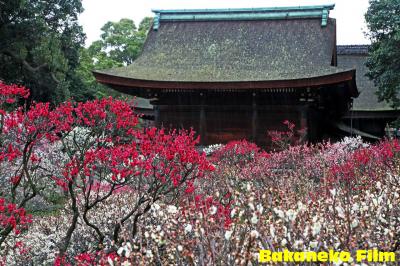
{"x":28,"y":66}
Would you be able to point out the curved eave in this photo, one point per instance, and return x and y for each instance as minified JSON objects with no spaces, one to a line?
{"x":336,"y":78}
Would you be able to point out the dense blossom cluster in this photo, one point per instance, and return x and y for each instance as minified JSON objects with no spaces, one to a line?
{"x":104,"y":191}
{"x":11,"y":215}
{"x":10,"y":93}
{"x":240,"y":208}
{"x":83,"y":155}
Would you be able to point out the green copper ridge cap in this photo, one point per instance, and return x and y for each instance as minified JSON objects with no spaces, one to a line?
{"x":268,"y":13}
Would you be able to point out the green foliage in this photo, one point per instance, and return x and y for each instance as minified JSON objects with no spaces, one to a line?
{"x":39,"y":46}
{"x":121,"y":39}
{"x":120,"y":44}
{"x":383,"y":20}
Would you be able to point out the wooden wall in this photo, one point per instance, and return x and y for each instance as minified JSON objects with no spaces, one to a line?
{"x":220,"y":124}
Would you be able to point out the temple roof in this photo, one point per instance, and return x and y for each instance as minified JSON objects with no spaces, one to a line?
{"x":235,"y":45}
{"x":355,"y":56}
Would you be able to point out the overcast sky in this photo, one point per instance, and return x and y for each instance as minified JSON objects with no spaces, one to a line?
{"x":349,"y":13}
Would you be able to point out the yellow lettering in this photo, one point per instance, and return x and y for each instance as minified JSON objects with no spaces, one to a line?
{"x":361,"y":255}
{"x":375,"y":255}
{"x":277,"y":256}
{"x":333,"y":256}
{"x":370,"y":256}
{"x":311,"y":256}
{"x":264,"y":256}
{"x":288,"y":256}
{"x":387,"y":256}
{"x":299,"y":256}
{"x":322,"y":256}
{"x":345,"y":256}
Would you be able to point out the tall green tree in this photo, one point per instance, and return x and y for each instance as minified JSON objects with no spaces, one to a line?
{"x":383,"y":20}
{"x":39,"y":46}
{"x":122,"y":40}
{"x":120,"y":44}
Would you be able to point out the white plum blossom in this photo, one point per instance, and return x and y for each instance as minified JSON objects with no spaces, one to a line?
{"x":248,"y":187}
{"x":260,"y":208}
{"x":272,"y":230}
{"x":340,"y":211}
{"x":213,"y":210}
{"x":125,"y":250}
{"x":188,"y":228}
{"x":280,"y":213}
{"x":355,"y":207}
{"x":149,"y":253}
{"x":228,"y":234}
{"x":354,"y":223}
{"x":171,"y":209}
{"x":209,"y":150}
{"x":251,"y":206}
{"x":254,"y":234}
{"x":291,"y":215}
{"x":300,"y":206}
{"x":316,"y":228}
{"x":155,"y":207}
{"x":254,"y":219}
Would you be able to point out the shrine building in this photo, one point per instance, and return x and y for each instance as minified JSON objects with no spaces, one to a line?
{"x":238,"y":73}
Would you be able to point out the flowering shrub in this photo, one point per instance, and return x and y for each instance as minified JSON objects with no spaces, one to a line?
{"x":289,"y":137}
{"x":9,"y":94}
{"x":295,"y":206}
{"x":209,"y":150}
{"x":89,"y":154}
{"x":11,"y":216}
{"x":116,"y":194}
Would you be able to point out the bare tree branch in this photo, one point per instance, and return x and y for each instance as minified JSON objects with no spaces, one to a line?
{"x":24,"y":62}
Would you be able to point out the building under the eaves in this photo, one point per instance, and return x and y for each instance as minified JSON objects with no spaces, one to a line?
{"x":238,"y":73}
{"x":368,"y":117}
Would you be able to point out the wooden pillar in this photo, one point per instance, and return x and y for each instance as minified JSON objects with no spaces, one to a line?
{"x":304,"y":121}
{"x":156,"y":116}
{"x":254,"y":119}
{"x":202,"y":122}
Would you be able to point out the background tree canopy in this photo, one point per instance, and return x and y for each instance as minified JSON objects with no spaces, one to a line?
{"x":120,"y":44}
{"x":39,"y":46}
{"x":42,"y":47}
{"x":383,"y":20}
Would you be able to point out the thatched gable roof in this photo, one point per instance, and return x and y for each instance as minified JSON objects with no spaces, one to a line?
{"x":355,"y":56}
{"x":232,"y":49}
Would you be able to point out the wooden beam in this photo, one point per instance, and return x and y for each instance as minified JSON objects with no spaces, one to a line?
{"x":314,"y":83}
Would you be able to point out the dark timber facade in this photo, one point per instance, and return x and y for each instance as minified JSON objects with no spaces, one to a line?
{"x":237,"y":73}
{"x":368,"y":117}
